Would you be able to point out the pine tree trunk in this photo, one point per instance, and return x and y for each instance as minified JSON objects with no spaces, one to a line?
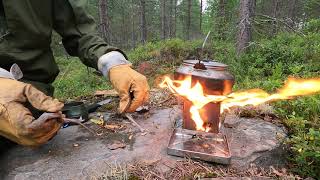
{"x":133,"y":33}
{"x":163,"y":20}
{"x":247,"y":11}
{"x":175,"y":18}
{"x":275,"y":8}
{"x":201,"y":7}
{"x":189,"y":20}
{"x":124,"y":30}
{"x":292,"y":13}
{"x":103,"y":17}
{"x":144,"y":30}
{"x":222,"y":18}
{"x":171,"y":11}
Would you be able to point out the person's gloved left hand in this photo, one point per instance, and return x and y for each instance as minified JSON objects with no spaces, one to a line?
{"x":132,"y":86}
{"x":17,"y":122}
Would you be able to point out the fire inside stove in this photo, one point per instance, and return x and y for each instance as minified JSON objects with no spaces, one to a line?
{"x":206,"y":93}
{"x":200,"y":87}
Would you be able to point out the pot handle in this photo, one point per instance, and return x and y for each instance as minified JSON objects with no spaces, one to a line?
{"x":92,"y":107}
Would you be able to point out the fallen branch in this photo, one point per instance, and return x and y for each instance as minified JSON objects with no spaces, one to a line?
{"x":156,"y":175}
{"x":76,"y":121}
{"x":161,"y":102}
{"x":134,"y":122}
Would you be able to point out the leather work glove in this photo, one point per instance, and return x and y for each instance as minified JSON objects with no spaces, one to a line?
{"x":17,"y":122}
{"x":132,"y":86}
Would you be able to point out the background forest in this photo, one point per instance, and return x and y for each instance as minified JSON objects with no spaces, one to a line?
{"x":263,"y":41}
{"x":130,"y":23}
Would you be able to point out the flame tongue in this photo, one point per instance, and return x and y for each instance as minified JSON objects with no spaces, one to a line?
{"x":298,"y":87}
{"x":293,"y":87}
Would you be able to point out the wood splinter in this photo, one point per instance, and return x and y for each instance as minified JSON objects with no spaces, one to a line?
{"x":76,"y":121}
{"x":134,"y":122}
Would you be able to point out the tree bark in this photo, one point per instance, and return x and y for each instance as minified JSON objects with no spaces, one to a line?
{"x":292,"y":13}
{"x":189,"y":19}
{"x":201,"y":7}
{"x":144,"y":30}
{"x":163,"y":20}
{"x":133,"y":30}
{"x":171,"y":18}
{"x":247,"y":12}
{"x":275,"y":9}
{"x":175,"y":18}
{"x":222,"y":18}
{"x":103,"y":18}
{"x":133,"y":34}
{"x":124,"y":30}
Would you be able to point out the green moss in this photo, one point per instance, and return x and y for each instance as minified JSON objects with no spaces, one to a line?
{"x":75,"y":79}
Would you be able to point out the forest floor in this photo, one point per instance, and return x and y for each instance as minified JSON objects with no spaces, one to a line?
{"x":119,"y":150}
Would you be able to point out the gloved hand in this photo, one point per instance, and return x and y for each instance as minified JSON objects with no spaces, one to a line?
{"x":132,"y":86}
{"x":17,"y":122}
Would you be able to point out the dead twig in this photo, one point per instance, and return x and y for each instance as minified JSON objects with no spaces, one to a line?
{"x":76,"y":121}
{"x":156,"y":175}
{"x":161,"y":102}
{"x":134,"y":122}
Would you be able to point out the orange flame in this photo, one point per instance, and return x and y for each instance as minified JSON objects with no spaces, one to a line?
{"x":293,"y":87}
{"x":194,"y":94}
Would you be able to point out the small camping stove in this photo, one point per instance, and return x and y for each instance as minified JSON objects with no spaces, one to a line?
{"x":209,"y":146}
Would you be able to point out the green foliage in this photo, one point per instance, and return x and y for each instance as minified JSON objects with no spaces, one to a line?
{"x":267,"y":66}
{"x":56,"y":45}
{"x":313,"y":26}
{"x":311,"y":8}
{"x":76,"y":80}
{"x":306,"y":152}
{"x":172,"y":50}
{"x":183,"y":17}
{"x":222,"y":27}
{"x":276,"y":59}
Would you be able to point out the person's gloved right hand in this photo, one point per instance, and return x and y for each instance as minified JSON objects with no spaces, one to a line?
{"x":17,"y":122}
{"x":132,"y":86}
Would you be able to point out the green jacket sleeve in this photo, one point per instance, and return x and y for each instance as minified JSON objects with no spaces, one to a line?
{"x":78,"y":31}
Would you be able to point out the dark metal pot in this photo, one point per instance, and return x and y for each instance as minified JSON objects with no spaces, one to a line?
{"x":215,"y":80}
{"x":75,"y":110}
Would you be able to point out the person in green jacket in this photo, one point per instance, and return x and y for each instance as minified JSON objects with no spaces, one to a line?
{"x":25,"y":36}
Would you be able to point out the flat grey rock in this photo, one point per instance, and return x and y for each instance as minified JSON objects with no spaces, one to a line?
{"x":251,"y":140}
{"x":255,"y":141}
{"x":59,"y":159}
